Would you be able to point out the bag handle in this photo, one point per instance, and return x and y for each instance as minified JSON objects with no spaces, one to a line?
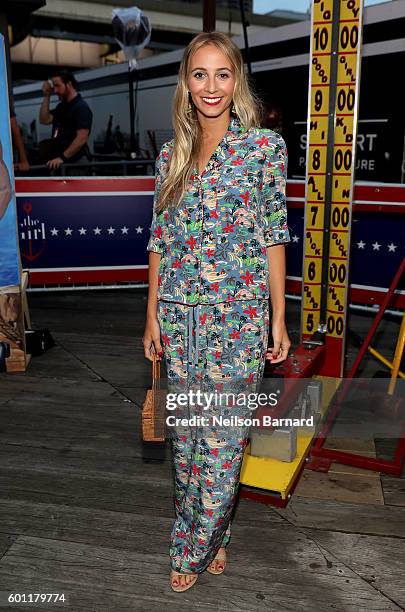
{"x":155,"y":371}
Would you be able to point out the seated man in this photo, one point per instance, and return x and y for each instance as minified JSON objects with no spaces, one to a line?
{"x":71,"y":120}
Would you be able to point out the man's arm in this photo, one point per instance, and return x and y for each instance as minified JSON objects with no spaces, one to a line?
{"x":45,"y":117}
{"x":76,"y":144}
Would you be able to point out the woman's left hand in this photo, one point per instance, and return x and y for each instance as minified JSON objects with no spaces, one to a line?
{"x":281,"y":342}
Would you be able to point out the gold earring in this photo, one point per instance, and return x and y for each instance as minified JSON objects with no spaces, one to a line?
{"x":233,"y":110}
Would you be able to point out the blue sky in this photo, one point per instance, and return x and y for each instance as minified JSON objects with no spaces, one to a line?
{"x":265,"y":6}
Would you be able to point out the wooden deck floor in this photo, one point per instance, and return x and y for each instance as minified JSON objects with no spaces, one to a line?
{"x":86,"y":509}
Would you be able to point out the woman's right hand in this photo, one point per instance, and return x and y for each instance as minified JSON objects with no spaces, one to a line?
{"x":151,"y":339}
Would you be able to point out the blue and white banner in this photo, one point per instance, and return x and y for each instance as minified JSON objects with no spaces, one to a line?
{"x":95,"y":230}
{"x":82,"y":231}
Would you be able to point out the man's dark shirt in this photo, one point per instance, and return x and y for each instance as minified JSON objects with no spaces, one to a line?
{"x":68,"y":117}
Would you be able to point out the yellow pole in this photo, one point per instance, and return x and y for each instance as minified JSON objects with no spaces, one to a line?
{"x":397,"y":357}
{"x":383,"y":360}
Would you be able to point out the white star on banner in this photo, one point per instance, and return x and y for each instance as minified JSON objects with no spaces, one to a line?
{"x":295,"y":238}
{"x":82,"y":231}
{"x":97,"y":230}
{"x":124,"y":230}
{"x":68,"y":231}
{"x":361,"y":245}
{"x":111,"y":230}
{"x":376,"y":246}
{"x":54,"y":231}
{"x":139,"y":229}
{"x":392,"y":247}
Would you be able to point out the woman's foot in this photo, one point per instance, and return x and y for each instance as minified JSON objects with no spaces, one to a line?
{"x":182,"y":582}
{"x":218,"y":565}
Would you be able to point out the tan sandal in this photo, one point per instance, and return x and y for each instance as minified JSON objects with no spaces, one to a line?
{"x":221,"y":557}
{"x":179,"y":588}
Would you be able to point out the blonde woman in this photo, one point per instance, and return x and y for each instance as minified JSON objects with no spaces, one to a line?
{"x":216,"y":257}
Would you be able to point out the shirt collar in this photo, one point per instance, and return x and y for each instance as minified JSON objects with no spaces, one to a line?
{"x":225,"y":148}
{"x":235,"y":128}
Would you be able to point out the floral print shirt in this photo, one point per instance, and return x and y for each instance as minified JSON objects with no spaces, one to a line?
{"x":213,"y":245}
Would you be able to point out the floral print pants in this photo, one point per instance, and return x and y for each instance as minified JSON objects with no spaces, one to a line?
{"x":216,"y":348}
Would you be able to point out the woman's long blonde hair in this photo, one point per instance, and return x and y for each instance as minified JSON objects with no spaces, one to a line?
{"x":187,"y":129}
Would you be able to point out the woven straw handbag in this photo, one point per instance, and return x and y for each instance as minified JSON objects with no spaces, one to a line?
{"x":154,"y":408}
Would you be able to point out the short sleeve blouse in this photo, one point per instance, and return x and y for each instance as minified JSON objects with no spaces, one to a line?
{"x":213,"y":245}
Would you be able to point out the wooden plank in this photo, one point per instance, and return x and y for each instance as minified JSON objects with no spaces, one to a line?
{"x":119,"y":360}
{"x":145,"y":461}
{"x":112,"y":428}
{"x":56,"y":362}
{"x":341,"y":468}
{"x":379,"y":561}
{"x":6,"y":540}
{"x":255,"y":514}
{"x":346,"y":517}
{"x":107,"y":574}
{"x":394,"y":490}
{"x":85,"y":312}
{"x":113,"y":493}
{"x":354,"y":488}
{"x":136,"y":394}
{"x":102,"y":445}
{"x":364,"y":447}
{"x":108,"y":339}
{"x":63,"y":391}
{"x":118,"y":369}
{"x":102,"y":527}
